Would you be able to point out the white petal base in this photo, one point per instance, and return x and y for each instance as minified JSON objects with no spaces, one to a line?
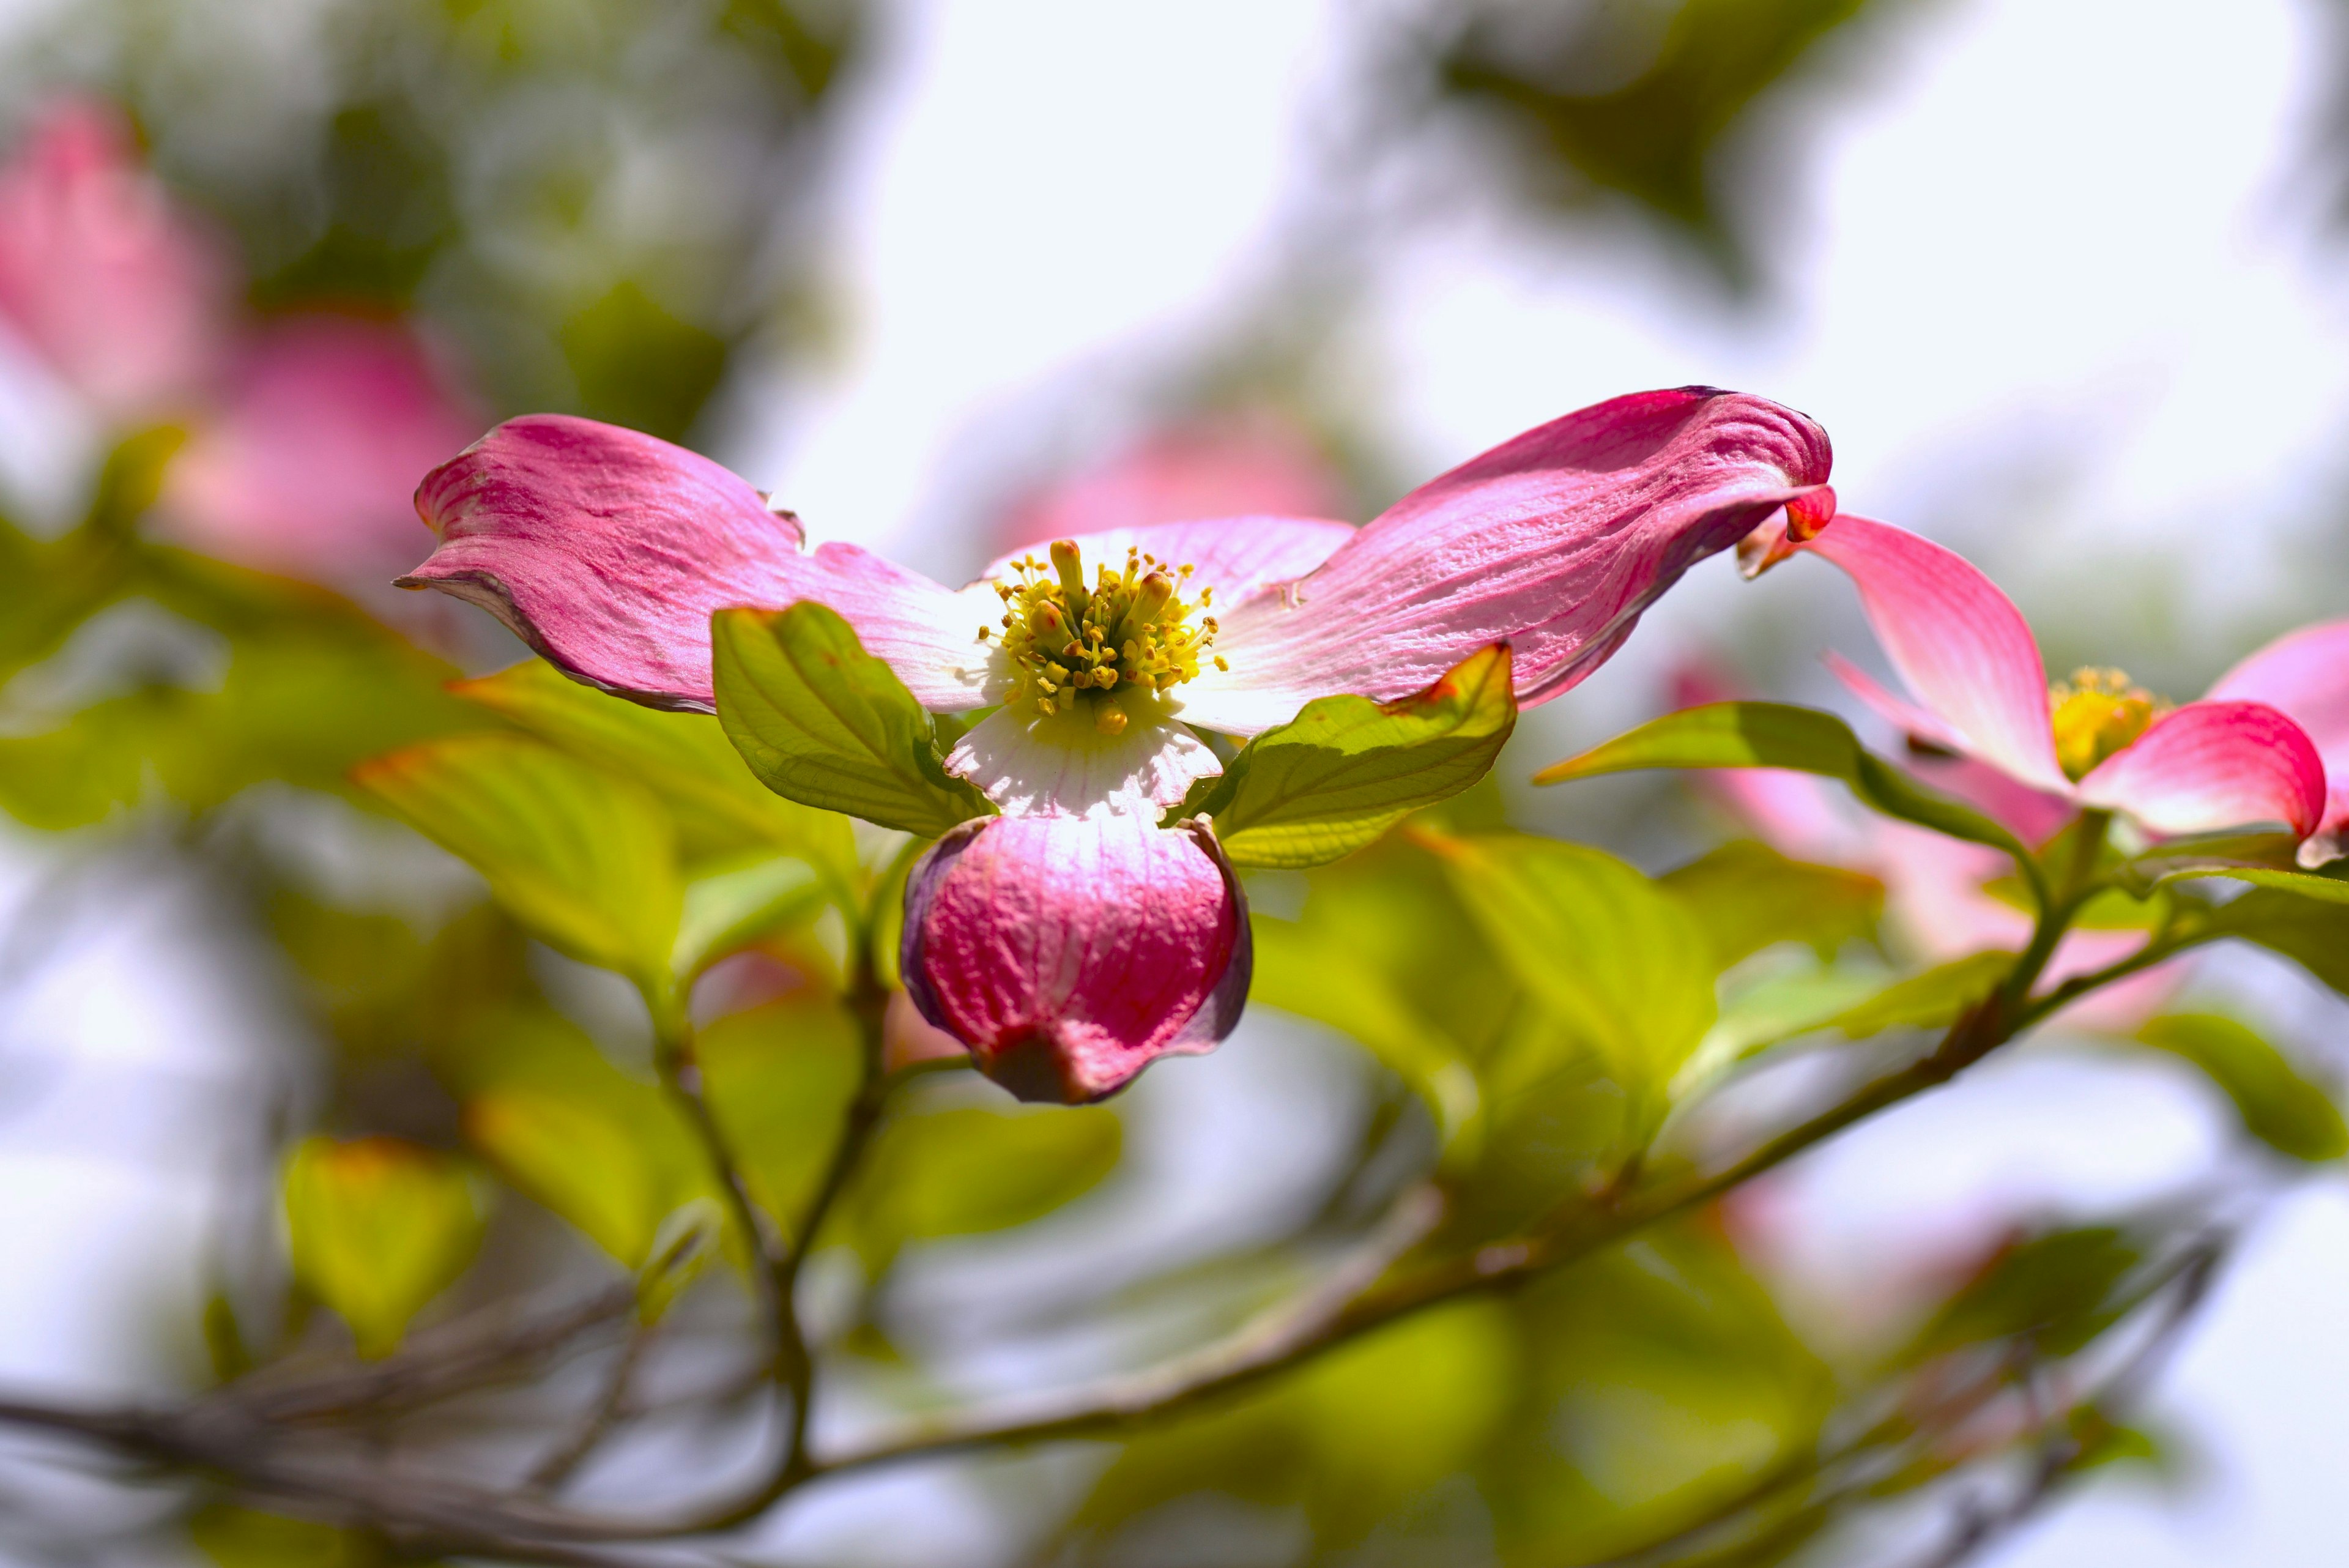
{"x":1030,"y":765}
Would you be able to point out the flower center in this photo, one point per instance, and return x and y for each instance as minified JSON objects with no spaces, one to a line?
{"x":2096,"y":714}
{"x":1127,"y":631}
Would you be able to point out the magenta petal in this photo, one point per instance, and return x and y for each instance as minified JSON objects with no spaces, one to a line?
{"x":1960,"y":644}
{"x":2304,"y":675}
{"x":115,"y":289}
{"x":1235,"y":556}
{"x":1553,"y":542}
{"x":1253,"y":466}
{"x":1068,"y":953}
{"x":307,"y":465}
{"x":2212,"y":766}
{"x":607,"y":550}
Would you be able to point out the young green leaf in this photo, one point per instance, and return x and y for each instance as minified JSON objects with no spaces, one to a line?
{"x":780,"y":1079}
{"x":1748,"y":896}
{"x":1611,"y":954}
{"x":823,"y":722}
{"x":2311,"y":932}
{"x":2323,"y":887}
{"x":1346,"y":769}
{"x":964,"y":1169}
{"x":729,"y":908}
{"x":2277,"y":1106}
{"x":1933,"y":999}
{"x":1778,"y":735}
{"x":377,"y":1227}
{"x":684,"y":758}
{"x":586,"y":860}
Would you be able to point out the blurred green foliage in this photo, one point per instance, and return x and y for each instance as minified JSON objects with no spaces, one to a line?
{"x":600,"y":203}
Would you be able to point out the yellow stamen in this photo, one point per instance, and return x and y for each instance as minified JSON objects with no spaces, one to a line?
{"x":1133,"y":627}
{"x":2096,"y":714}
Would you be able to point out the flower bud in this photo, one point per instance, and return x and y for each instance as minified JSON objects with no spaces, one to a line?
{"x":1067,"y":952}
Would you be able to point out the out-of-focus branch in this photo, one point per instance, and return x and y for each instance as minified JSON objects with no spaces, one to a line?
{"x":601,"y":1417}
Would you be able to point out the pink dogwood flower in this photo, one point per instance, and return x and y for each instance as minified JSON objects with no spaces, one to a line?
{"x":1937,"y":897}
{"x":2233,"y":760}
{"x":1073,"y":939}
{"x":305,"y":434}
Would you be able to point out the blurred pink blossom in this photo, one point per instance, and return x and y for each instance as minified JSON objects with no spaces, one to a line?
{"x":1936,"y":889}
{"x":312,"y":448}
{"x":117,"y":290}
{"x":1234,"y":466}
{"x":306,"y":433}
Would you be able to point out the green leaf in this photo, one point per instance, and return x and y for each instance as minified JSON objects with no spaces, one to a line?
{"x":780,"y":1079}
{"x":1346,"y":769}
{"x":234,"y":1537}
{"x":962,"y":1170}
{"x":2311,"y":932}
{"x":602,"y":1148}
{"x":1778,"y":735}
{"x":823,"y":722}
{"x":1309,"y":969}
{"x":1747,"y":896}
{"x":684,"y":758}
{"x":1933,"y":999}
{"x":2277,"y":1106}
{"x":1616,"y":958}
{"x":585,"y":859}
{"x":377,"y":1227}
{"x":2061,"y":1289}
{"x":726,"y":909}
{"x":2304,"y":884}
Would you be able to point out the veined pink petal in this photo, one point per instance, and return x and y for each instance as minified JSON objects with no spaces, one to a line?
{"x":1029,"y":764}
{"x":2031,"y":814}
{"x":1960,"y":644}
{"x":1236,"y":556}
{"x":1913,"y":722}
{"x":1067,"y":953}
{"x":2212,"y":766}
{"x":117,"y":290}
{"x":1553,"y":542}
{"x":607,"y":550}
{"x":1259,"y":465}
{"x":2304,"y":675}
{"x":307,"y":464}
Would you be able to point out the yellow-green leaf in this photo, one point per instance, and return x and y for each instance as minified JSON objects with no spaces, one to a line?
{"x":585,"y":859}
{"x":377,"y":1227}
{"x":1346,"y":769}
{"x":684,"y":758}
{"x":2278,"y":1104}
{"x":1933,"y":999}
{"x":1748,"y":896}
{"x":823,"y":722}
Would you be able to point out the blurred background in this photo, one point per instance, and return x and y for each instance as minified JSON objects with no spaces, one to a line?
{"x":2069,"y":284}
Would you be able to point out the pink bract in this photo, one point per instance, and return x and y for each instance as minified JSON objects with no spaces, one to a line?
{"x":1968,"y":658}
{"x":306,"y":463}
{"x":1067,"y":955}
{"x":99,"y":273}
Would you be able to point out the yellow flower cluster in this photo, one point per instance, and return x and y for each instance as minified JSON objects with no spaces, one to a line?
{"x":1129,"y":630}
{"x":2096,"y":714}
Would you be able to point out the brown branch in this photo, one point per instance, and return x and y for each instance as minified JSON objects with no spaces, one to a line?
{"x":602,"y":1417}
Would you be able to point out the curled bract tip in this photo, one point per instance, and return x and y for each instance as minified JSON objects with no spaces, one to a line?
{"x":1787,"y":530}
{"x":1066,"y":954}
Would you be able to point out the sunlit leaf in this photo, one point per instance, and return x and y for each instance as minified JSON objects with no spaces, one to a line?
{"x":961,"y":1170}
{"x":2278,"y":1107}
{"x":2311,"y":932}
{"x":1346,"y":768}
{"x":823,"y":722}
{"x":602,"y":1148}
{"x":727,"y":908}
{"x":1748,"y":896}
{"x":2325,"y":888}
{"x":584,"y":858}
{"x":377,"y":1227}
{"x":684,"y":758}
{"x":1933,"y":999}
{"x":1776,"y":736}
{"x":780,"y":1079}
{"x":1617,"y":959}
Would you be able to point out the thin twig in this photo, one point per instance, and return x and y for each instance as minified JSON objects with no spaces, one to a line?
{"x":603,"y":1416}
